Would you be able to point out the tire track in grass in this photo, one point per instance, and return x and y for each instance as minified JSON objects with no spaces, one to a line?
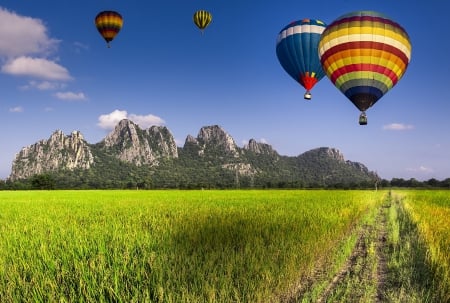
{"x":358,"y":256}
{"x":382,"y":269}
{"x":304,"y":288}
{"x":363,"y":276}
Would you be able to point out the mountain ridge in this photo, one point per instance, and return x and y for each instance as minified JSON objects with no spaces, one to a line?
{"x":152,"y":155}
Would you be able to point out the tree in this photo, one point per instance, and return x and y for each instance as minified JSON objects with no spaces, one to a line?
{"x":398,"y":182}
{"x":445,"y":183}
{"x":433,"y":182}
{"x":42,"y":181}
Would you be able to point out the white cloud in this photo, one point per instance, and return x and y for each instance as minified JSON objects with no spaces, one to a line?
{"x":398,"y":126}
{"x":17,"y":109}
{"x":70,"y":96}
{"x":262,"y":140}
{"x":109,"y":121}
{"x":20,"y":35}
{"x":421,"y":169}
{"x":36,"y":67}
{"x":25,"y":46}
{"x":145,"y":121}
{"x":179,"y":142}
{"x":425,"y":169}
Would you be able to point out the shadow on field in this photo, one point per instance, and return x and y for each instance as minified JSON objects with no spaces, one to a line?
{"x":233,"y":255}
{"x":233,"y":233}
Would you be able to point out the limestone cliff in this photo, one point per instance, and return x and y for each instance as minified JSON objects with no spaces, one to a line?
{"x":213,"y":138}
{"x":58,"y":152}
{"x":129,"y":143}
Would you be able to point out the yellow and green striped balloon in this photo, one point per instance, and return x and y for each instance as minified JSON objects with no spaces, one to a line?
{"x":202,"y":19}
{"x":364,"y":54}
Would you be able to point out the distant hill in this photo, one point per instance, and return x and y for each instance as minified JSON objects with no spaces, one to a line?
{"x":130,"y":157}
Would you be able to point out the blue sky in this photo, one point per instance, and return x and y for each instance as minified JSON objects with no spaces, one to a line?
{"x":56,"y":73}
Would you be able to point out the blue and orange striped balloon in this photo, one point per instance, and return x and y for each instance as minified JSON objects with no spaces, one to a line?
{"x":364,"y":54}
{"x":297,"y":46}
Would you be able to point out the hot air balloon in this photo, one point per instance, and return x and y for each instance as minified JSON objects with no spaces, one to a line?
{"x":202,"y":19}
{"x":108,"y":24}
{"x":364,"y":54}
{"x":297,"y":51}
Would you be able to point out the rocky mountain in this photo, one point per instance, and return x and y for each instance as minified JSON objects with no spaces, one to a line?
{"x":133,"y":157}
{"x":129,"y":143}
{"x":212,"y":138}
{"x":59,"y":151}
{"x":259,"y":148}
{"x":326,"y":165}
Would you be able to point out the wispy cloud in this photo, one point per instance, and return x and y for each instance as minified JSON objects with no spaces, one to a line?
{"x":398,"y":126}
{"x":44,"y":85}
{"x":70,"y":96}
{"x":78,"y":46}
{"x":109,"y":121}
{"x":17,"y":109}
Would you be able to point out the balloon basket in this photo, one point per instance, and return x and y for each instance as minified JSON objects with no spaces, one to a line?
{"x":307,"y":96}
{"x":363,"y":119}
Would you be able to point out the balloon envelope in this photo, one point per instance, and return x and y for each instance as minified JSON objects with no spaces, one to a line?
{"x":364,"y":54}
{"x":108,"y":24}
{"x":297,"y":51}
{"x":202,"y":19}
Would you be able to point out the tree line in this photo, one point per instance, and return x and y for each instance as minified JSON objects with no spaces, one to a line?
{"x":208,"y":180}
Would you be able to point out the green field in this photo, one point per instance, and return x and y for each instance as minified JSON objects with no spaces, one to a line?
{"x":429,"y":213}
{"x":211,"y":246}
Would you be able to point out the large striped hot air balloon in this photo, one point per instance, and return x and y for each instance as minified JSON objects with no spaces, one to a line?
{"x":297,"y":46}
{"x":364,"y":54}
{"x":202,"y":19}
{"x":108,"y":24}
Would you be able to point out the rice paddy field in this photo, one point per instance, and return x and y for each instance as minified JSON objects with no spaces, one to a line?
{"x":223,"y":246}
{"x":429,"y":213}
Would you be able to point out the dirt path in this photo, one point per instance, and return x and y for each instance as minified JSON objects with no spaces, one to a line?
{"x":365,"y":270}
{"x":381,"y":273}
{"x":363,"y":275}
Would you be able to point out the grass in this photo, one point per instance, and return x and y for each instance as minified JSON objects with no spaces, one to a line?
{"x":169,"y":246}
{"x":359,"y":284}
{"x":428,"y":213}
{"x":353,"y":275}
{"x":408,"y":272}
{"x":224,"y":246}
{"x":401,"y":255}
